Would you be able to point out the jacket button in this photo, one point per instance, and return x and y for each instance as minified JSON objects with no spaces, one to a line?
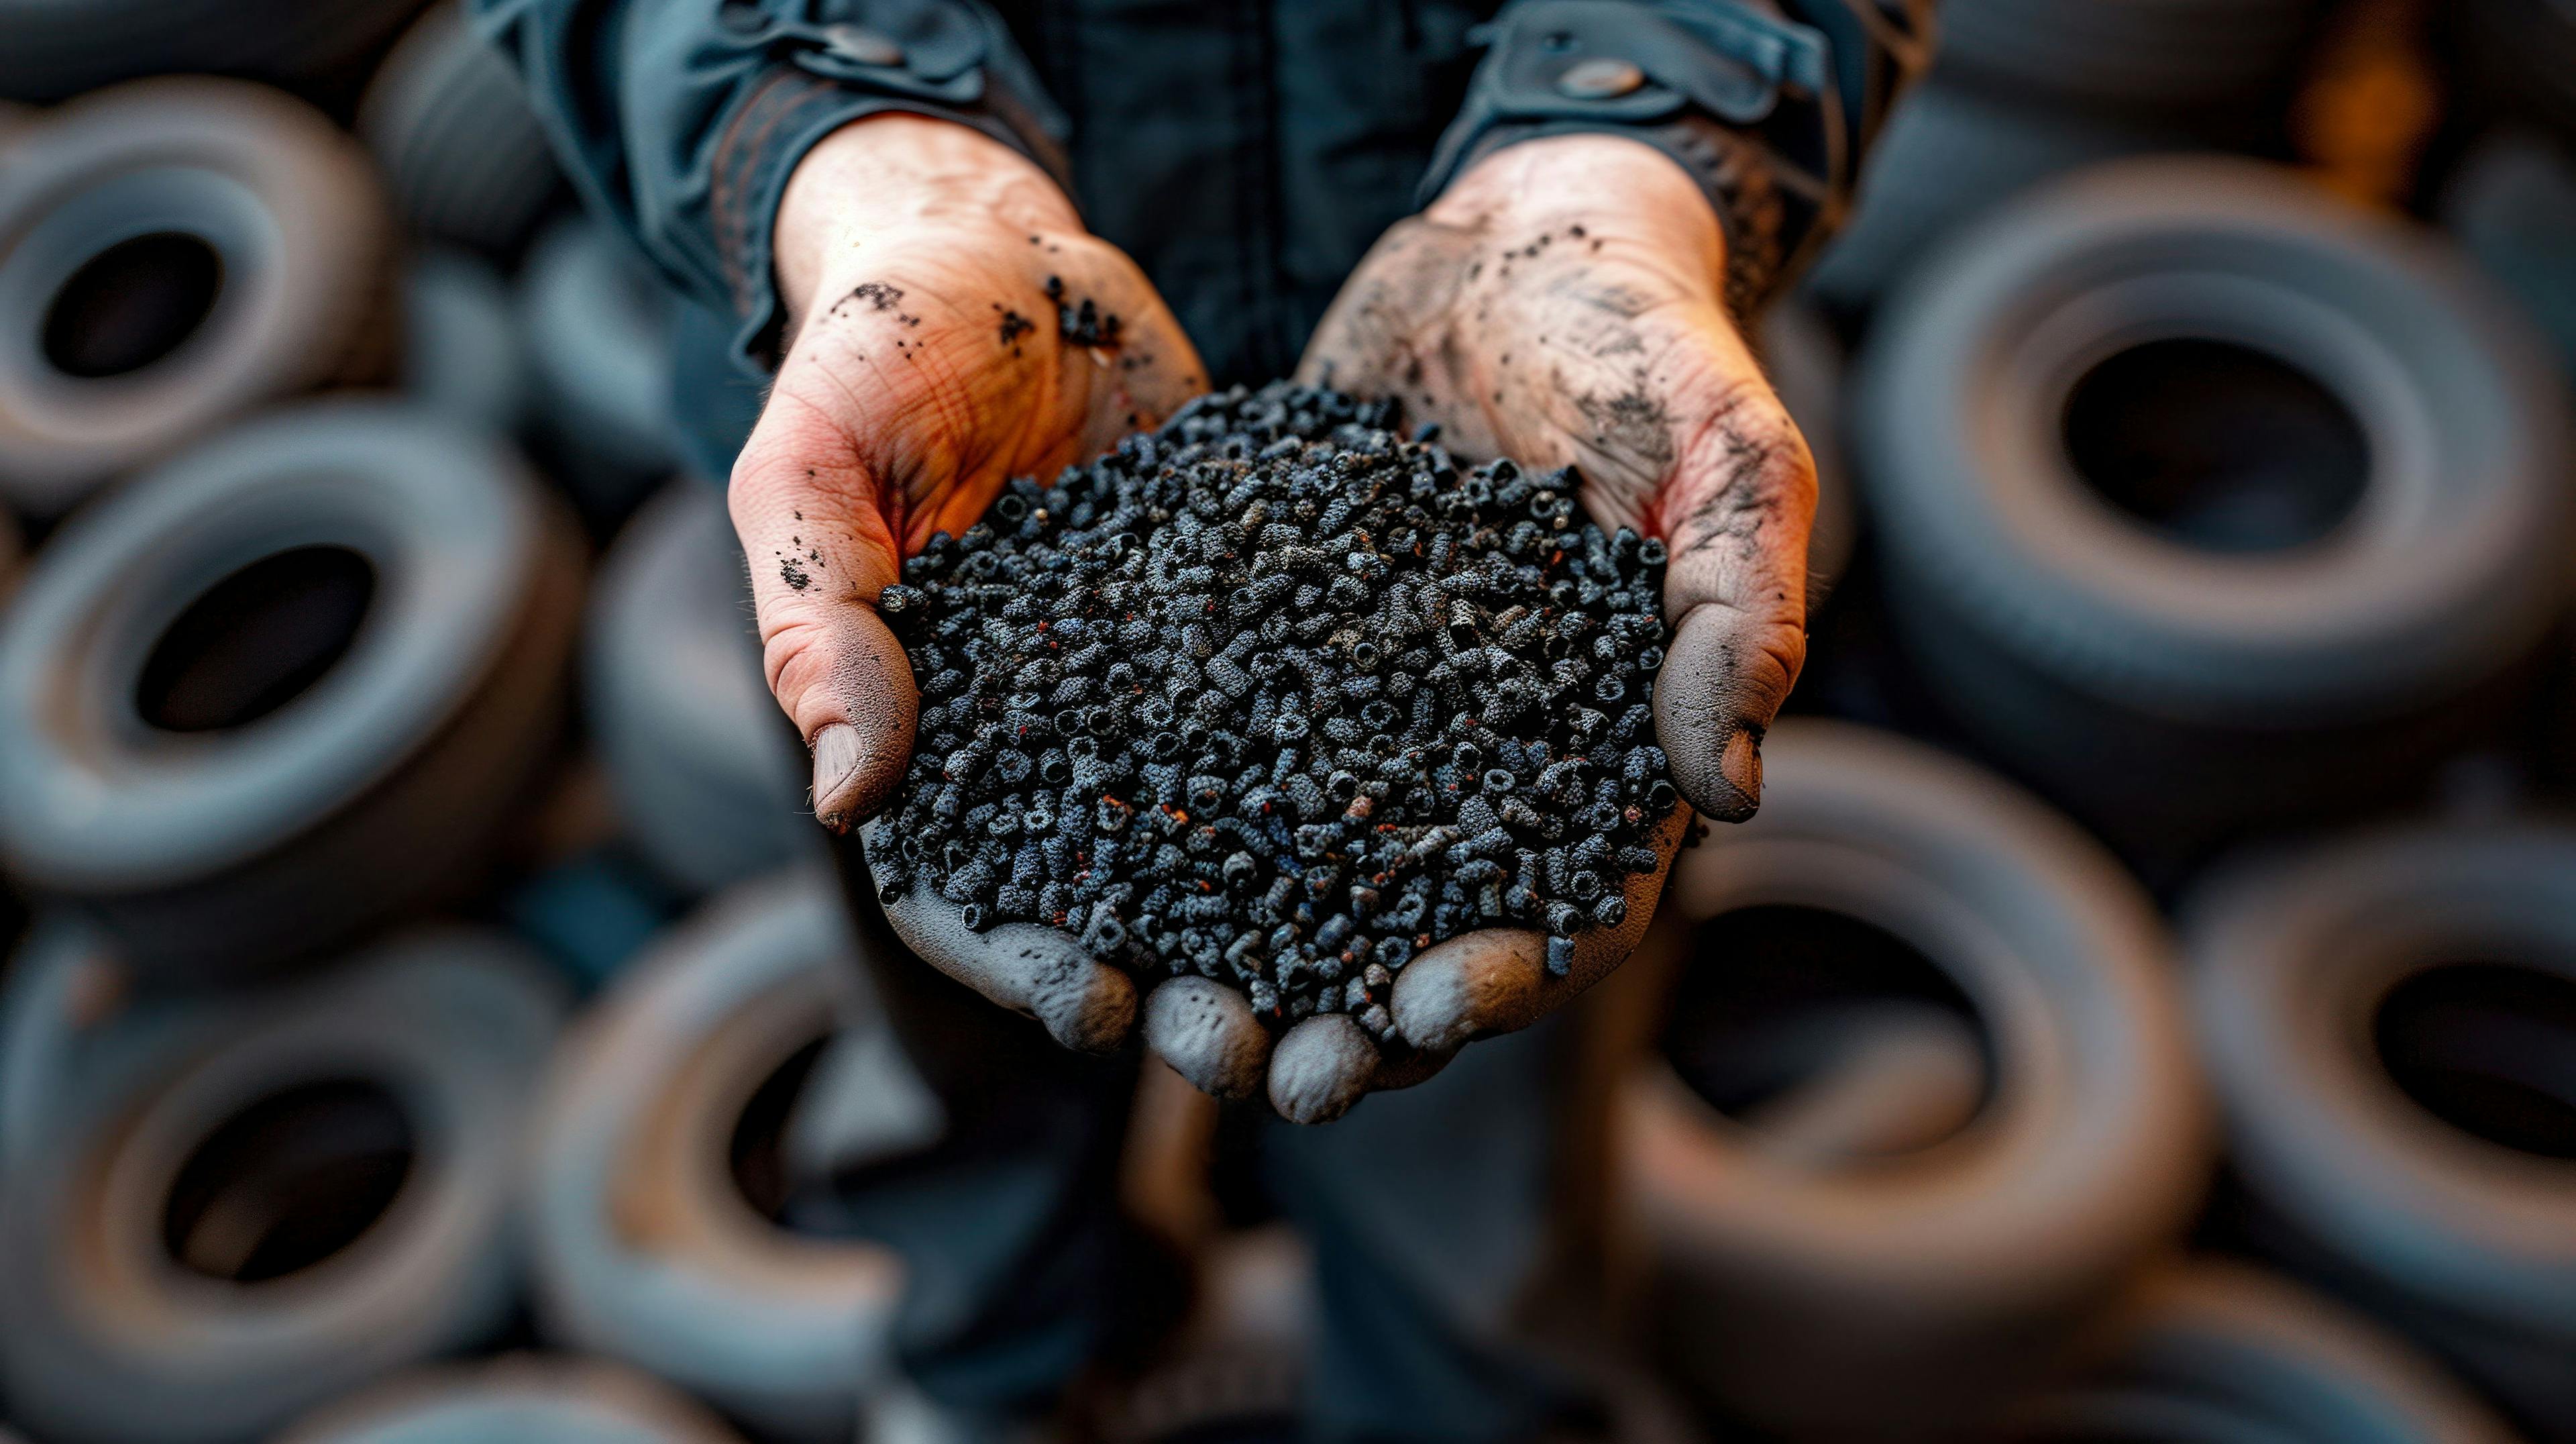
{"x":1600,"y":78}
{"x":860,"y":45}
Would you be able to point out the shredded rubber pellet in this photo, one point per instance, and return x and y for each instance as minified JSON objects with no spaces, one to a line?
{"x":1275,"y":696}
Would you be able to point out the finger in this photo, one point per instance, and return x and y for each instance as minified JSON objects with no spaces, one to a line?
{"x":1320,"y":1068}
{"x":1495,"y":980}
{"x":1736,"y":517}
{"x":1207,"y":1032}
{"x":1084,"y":1004}
{"x":1401,"y":1065}
{"x":820,"y":553}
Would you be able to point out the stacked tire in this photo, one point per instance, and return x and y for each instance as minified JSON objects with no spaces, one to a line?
{"x":2202,"y":495}
{"x":57,"y":51}
{"x":2137,"y":55}
{"x":1924,"y":1107}
{"x":462,"y":152}
{"x":516,"y":1398}
{"x":286,"y":687}
{"x":2217,"y":1351}
{"x":2027,"y":89}
{"x":314,"y":432}
{"x":668,"y":1147}
{"x":173,"y":253}
{"x":226,"y":1214}
{"x":597,"y":327}
{"x":705,"y":768}
{"x":2389,"y":1020}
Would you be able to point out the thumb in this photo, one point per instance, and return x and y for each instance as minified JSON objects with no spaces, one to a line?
{"x":1736,"y":516}
{"x":820,"y":552}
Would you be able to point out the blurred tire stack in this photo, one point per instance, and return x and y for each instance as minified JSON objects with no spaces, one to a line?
{"x":2215,"y":486}
{"x":2144,"y":1009}
{"x":333,"y":784}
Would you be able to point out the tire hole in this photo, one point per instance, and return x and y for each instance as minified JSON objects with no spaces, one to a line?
{"x":1783,"y":1001}
{"x":256,"y":640}
{"x":2217,"y":446}
{"x":757,"y":1150}
{"x":2489,"y":1048}
{"x":288,"y":1182}
{"x":132,"y":304}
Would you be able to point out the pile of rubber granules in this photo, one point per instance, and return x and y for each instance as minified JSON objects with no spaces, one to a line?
{"x":1275,"y":696}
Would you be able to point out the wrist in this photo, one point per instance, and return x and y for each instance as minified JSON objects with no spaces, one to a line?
{"x":1619,"y":190}
{"x":895,"y":174}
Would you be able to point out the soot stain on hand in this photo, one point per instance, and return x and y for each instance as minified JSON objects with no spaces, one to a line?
{"x":1083,"y":323}
{"x":876,"y":296}
{"x":1632,"y":421}
{"x":1744,"y":504}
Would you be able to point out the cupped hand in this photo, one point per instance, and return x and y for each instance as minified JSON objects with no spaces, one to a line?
{"x":950,"y":325}
{"x":1562,"y":304}
{"x":1317,"y":1068}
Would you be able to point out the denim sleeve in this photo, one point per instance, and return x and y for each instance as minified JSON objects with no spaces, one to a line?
{"x":680,"y":119}
{"x":1770,"y":104}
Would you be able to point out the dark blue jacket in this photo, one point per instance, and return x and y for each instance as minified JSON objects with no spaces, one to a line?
{"x":1245,"y":152}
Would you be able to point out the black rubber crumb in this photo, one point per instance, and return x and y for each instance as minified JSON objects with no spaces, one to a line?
{"x":793,"y":573}
{"x":1014,"y":326}
{"x":1274,"y":696}
{"x":1084,"y":324}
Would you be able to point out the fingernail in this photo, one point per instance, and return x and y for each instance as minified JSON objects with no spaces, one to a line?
{"x":1741,"y":765}
{"x":836,"y":769}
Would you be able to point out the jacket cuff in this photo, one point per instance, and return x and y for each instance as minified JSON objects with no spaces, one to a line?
{"x":1766,"y":103}
{"x":947,"y":59}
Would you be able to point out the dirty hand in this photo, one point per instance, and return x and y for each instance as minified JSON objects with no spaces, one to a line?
{"x":1562,"y":304}
{"x":950,"y":325}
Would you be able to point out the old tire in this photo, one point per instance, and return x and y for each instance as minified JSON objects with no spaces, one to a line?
{"x":462,"y":356}
{"x":275,"y":1200}
{"x":172,"y":253}
{"x":598,"y":332}
{"x":2321,"y":515}
{"x":516,"y":1398}
{"x":61,"y":989}
{"x":1953,"y":1275}
{"x":462,"y":153}
{"x":704,"y":767}
{"x":13,"y":558}
{"x":284,"y":687}
{"x":1804,"y":360}
{"x":2216,"y":1352}
{"x":2512,"y":205}
{"x":58,"y":50}
{"x":1947,"y":156}
{"x":2157,"y":55}
{"x":648,"y":1246}
{"x":2389,"y":1021}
